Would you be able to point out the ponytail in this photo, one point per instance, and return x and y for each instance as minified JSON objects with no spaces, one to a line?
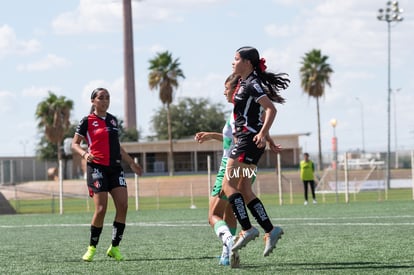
{"x":272,"y":83}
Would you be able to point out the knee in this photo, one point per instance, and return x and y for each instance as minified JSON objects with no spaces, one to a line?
{"x":100,"y":210}
{"x":123,"y":206}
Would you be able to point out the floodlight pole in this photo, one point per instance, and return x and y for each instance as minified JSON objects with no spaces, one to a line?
{"x":334,"y":122}
{"x":390,"y":14}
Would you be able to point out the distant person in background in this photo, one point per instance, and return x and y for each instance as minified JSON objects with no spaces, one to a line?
{"x":307,"y":170}
{"x":105,"y":175}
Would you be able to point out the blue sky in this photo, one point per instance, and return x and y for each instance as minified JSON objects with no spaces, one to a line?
{"x":71,"y":47}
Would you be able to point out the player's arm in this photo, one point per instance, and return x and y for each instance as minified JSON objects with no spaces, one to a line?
{"x":275,"y":148}
{"x":269,"y":116}
{"x":76,"y":146}
{"x":200,"y":137}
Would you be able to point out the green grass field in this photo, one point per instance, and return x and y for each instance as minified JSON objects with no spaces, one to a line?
{"x":374,"y":237}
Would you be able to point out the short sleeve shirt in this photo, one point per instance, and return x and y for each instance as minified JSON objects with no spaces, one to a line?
{"x":247,"y":111}
{"x":306,"y":170}
{"x":102,"y":137}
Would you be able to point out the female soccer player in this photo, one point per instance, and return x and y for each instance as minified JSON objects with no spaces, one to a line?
{"x":104,"y":172}
{"x":254,"y":114}
{"x":221,"y":216}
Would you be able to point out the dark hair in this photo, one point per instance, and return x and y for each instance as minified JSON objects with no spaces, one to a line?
{"x":96,"y":91}
{"x":271,"y":82}
{"x":233,"y":80}
{"x":306,"y":154}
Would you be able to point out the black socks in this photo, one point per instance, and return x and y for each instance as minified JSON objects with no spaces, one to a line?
{"x":117,"y":233}
{"x":237,"y":202}
{"x":259,"y":213}
{"x":95,"y":233}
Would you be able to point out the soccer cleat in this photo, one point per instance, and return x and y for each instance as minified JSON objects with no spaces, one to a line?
{"x":234,"y":259}
{"x":88,"y":256}
{"x":113,"y":251}
{"x":271,"y":239}
{"x":305,"y":203}
{"x":224,"y":260}
{"x":245,"y":237}
{"x":227,"y":245}
{"x":315,"y":202}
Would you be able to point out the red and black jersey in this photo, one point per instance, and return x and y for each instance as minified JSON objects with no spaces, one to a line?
{"x":247,"y":111}
{"x":102,"y":136}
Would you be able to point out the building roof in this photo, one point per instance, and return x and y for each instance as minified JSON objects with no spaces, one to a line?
{"x":288,"y":141}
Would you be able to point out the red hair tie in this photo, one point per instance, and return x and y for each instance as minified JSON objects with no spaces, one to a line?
{"x":262,"y":65}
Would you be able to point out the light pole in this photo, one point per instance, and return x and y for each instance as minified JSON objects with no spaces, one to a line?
{"x":390,"y":14}
{"x":395,"y":127}
{"x":334,"y":122}
{"x":24,"y":143}
{"x":362,"y":124}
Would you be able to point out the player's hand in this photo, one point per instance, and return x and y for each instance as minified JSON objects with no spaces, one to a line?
{"x":136,"y":168}
{"x":275,"y":148}
{"x":200,"y":137}
{"x":260,"y":140}
{"x":90,"y":157}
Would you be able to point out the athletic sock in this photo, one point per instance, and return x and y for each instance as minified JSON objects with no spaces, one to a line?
{"x":222,"y":230}
{"x":117,"y":232}
{"x":95,"y":234}
{"x":233,"y":230}
{"x":259,"y":213}
{"x":239,"y":208}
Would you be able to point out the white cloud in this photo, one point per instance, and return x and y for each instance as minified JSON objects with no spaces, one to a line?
{"x":51,"y":61}
{"x":156,"y":48}
{"x":90,"y":16}
{"x":106,"y":15}
{"x":10,"y":44}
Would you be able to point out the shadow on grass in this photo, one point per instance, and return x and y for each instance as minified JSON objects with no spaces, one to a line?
{"x":169,"y":259}
{"x":105,"y":259}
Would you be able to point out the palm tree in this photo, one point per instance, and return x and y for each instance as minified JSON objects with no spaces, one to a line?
{"x":164,"y":74}
{"x":53,"y":115}
{"x":315,"y":74}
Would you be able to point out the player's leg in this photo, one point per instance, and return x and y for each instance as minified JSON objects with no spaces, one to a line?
{"x":230,"y":184}
{"x":231,"y":221}
{"x":257,"y":209}
{"x":305,"y":190}
{"x":97,"y":190}
{"x":119,"y":195}
{"x":101,"y":201}
{"x":216,"y":211}
{"x":312,"y":186}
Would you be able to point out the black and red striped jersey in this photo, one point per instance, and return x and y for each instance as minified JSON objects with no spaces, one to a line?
{"x":102,"y":137}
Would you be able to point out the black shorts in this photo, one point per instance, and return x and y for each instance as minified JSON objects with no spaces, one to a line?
{"x":245,"y":150}
{"x":104,"y":178}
